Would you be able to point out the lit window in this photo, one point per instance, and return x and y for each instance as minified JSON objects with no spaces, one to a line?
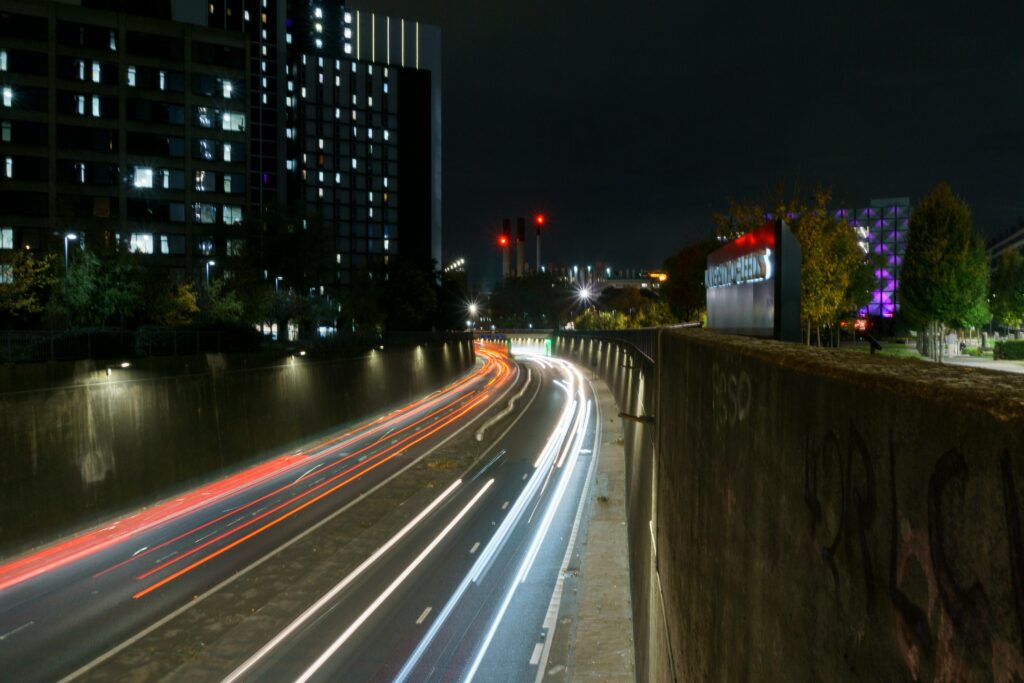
{"x":319,"y":27}
{"x":5,"y":131}
{"x":6,"y":273}
{"x":337,"y":81}
{"x":355,"y":164}
{"x":6,"y":238}
{"x":263,"y":66}
{"x":227,"y":152}
{"x":204,"y":213}
{"x":80,"y":172}
{"x":369,"y":132}
{"x":337,"y":178}
{"x":141,"y":243}
{"x":320,"y":143}
{"x":385,"y":182}
{"x":143,"y":177}
{"x":96,"y":72}
{"x":3,"y":60}
{"x":203,"y":117}
{"x":165,"y":246}
{"x":232,"y":215}
{"x":245,"y":15}
{"x":288,"y":101}
{"x":348,"y":33}
{"x":337,"y":113}
{"x":228,"y":89}
{"x":204,"y":181}
{"x":369,"y":101}
{"x":290,"y":165}
{"x":163,"y":80}
{"x":113,"y":41}
{"x":320,"y":192}
{"x":95,"y":105}
{"x":318,"y":13}
{"x":264,"y":97}
{"x":303,"y":92}
{"x":348,"y":48}
{"x":319,"y":43}
{"x":232,"y":120}
{"x":387,"y":135}
{"x":385,"y":87}
{"x":320,"y":176}
{"x":227,"y":183}
{"x":348,"y":17}
{"x":263,"y":34}
{"x":81,"y":69}
{"x":165,"y":179}
{"x":131,"y":77}
{"x":235,"y":247}
{"x":80,"y":104}
{"x":288,"y":38}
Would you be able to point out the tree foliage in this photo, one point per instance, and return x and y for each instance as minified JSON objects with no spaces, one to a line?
{"x":684,"y":290}
{"x":31,"y":279}
{"x":945,"y":270}
{"x":99,"y":288}
{"x":541,"y":300}
{"x":1007,"y":299}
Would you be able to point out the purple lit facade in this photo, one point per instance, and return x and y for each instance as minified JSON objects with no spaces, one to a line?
{"x":882,"y":228}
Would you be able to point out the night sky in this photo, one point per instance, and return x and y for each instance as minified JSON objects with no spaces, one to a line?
{"x":629,"y":123}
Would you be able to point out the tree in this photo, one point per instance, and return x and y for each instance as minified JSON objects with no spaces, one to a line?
{"x":99,"y":287}
{"x":541,"y":300}
{"x":30,"y":281}
{"x":945,"y":270}
{"x":174,"y":304}
{"x":1007,"y":300}
{"x":684,"y":290}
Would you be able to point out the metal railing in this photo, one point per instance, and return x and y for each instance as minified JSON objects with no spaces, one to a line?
{"x":643,"y":339}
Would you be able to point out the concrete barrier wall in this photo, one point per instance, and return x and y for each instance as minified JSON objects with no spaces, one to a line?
{"x":821,"y":515}
{"x":632,"y":379}
{"x":90,"y":444}
{"x":833,"y":516}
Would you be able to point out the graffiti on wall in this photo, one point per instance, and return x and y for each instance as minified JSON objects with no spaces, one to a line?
{"x":949,"y":622}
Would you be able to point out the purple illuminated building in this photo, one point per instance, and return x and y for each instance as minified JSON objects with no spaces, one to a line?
{"x":882,"y":228}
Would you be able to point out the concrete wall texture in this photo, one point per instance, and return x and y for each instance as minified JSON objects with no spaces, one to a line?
{"x":831,"y":516}
{"x":89,"y":444}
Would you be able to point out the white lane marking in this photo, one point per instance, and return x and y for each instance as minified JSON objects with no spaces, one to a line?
{"x":165,"y":557}
{"x":504,"y":506}
{"x":85,"y":668}
{"x":145,"y":547}
{"x":20,"y":628}
{"x":475,"y":546}
{"x":525,"y":476}
{"x":336,"y":645}
{"x":423,"y":616}
{"x":308,"y":472}
{"x":203,"y":538}
{"x":329,"y":595}
{"x":535,"y":657}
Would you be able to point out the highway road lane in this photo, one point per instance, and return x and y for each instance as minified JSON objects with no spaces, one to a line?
{"x":465,"y":591}
{"x":65,"y":605}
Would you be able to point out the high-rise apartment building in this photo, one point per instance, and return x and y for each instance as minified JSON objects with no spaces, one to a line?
{"x":882,"y":228}
{"x":170,"y":124}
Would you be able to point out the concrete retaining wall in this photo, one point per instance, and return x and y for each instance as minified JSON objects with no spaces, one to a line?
{"x":90,"y":444}
{"x":821,"y":515}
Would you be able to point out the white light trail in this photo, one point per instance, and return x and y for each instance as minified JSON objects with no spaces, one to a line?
{"x":327,"y":597}
{"x":336,"y":645}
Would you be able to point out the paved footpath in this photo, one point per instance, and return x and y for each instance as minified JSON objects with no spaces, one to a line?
{"x":596,"y":643}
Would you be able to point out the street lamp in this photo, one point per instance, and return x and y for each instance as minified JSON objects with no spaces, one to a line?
{"x":277,"y":282}
{"x":68,"y":236}
{"x":208,"y":264}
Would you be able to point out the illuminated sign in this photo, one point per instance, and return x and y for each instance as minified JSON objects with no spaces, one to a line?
{"x":753,"y":284}
{"x":753,"y":267}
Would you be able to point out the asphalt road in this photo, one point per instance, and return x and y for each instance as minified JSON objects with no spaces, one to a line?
{"x":463,"y":590}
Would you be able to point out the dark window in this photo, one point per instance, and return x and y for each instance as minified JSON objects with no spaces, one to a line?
{"x":91,"y":139}
{"x":22,"y":27}
{"x":160,"y":47}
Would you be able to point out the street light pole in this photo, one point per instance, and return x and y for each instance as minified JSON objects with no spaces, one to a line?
{"x":277,"y":282}
{"x":68,"y":236}
{"x":208,"y":264}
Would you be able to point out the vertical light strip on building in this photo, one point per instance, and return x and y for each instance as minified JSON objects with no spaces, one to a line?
{"x":359,"y":26}
{"x":373,"y":37}
{"x":417,"y":44}
{"x":403,"y":42}
{"x":388,"y":57}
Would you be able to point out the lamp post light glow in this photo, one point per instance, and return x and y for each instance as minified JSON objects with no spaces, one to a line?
{"x":277,"y":283}
{"x":72,"y":237}
{"x":208,"y":264}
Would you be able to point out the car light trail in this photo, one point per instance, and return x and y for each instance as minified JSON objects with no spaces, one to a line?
{"x":330,"y":595}
{"x":405,"y":445}
{"x":329,"y":652}
{"x":542,"y":469}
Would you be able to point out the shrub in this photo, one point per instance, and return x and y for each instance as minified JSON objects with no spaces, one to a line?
{"x":1009,"y":350}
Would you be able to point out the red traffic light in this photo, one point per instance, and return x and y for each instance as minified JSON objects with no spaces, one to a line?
{"x":540,"y":219}
{"x":503,"y":241}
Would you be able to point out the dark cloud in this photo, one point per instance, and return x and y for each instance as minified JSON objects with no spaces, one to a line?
{"x":631,"y":122}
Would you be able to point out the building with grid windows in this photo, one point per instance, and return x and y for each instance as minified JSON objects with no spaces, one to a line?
{"x":168,"y":125}
{"x":882,"y":228}
{"x":120,"y":128}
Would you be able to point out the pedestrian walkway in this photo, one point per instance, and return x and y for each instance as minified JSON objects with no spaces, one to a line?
{"x":598,"y":644}
{"x":985,"y":363}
